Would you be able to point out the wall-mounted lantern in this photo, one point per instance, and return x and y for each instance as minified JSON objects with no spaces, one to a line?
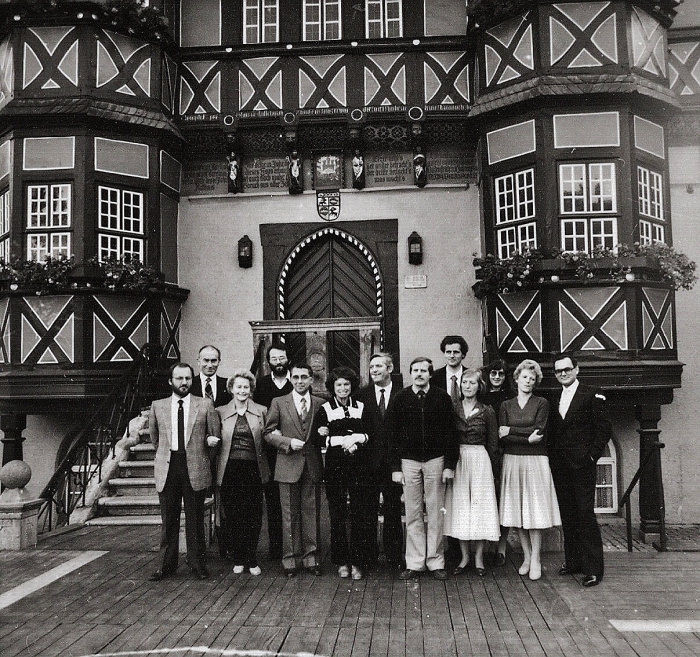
{"x":415,"y":249}
{"x":245,"y":252}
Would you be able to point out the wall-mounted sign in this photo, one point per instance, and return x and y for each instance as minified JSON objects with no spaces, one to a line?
{"x":415,"y":282}
{"x":328,"y":205}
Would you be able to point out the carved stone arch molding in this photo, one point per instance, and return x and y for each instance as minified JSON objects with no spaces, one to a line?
{"x":376,"y":241}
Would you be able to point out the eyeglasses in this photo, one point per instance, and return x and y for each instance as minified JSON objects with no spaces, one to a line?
{"x":497,"y":373}
{"x":564,"y":371}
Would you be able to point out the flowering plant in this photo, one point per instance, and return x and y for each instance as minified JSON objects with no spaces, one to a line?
{"x":505,"y":274}
{"x":128,"y":274}
{"x":48,"y":275}
{"x":522,"y":270}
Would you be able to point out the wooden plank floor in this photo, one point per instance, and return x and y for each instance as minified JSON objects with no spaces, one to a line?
{"x":108,"y":606}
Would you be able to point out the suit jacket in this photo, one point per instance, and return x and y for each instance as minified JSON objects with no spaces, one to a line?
{"x":255,"y":415}
{"x":439,"y":378}
{"x":223,"y":396}
{"x":377,"y":428}
{"x":581,"y":437}
{"x":203,"y":421}
{"x":283,"y":416}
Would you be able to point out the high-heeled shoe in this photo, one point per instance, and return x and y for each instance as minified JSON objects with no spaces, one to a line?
{"x":480,"y":571}
{"x":460,"y":570}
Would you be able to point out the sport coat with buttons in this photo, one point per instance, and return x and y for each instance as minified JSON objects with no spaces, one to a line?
{"x":203,"y":421}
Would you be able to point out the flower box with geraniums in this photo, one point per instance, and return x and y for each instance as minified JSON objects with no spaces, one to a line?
{"x":534,"y":269}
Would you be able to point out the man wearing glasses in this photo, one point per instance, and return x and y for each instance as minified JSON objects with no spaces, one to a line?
{"x":578,"y":431}
{"x":299,"y":471}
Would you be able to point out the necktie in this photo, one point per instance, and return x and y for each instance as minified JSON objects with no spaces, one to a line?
{"x":382,"y":403}
{"x":421,"y":396}
{"x":180,"y":427}
{"x":304,"y":410}
{"x":207,"y":389}
{"x":455,"y":390}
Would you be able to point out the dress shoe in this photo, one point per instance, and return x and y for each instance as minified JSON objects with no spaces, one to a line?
{"x":314,"y":570}
{"x":408,"y":574}
{"x":480,"y":571}
{"x":591,"y":580}
{"x":343,"y":572}
{"x":356,"y":573}
{"x":565,"y":570}
{"x":440,"y":574}
{"x":157,"y":576}
{"x":500,"y":559}
{"x":460,"y":570}
{"x":238,"y":569}
{"x":290,"y":572}
{"x":255,"y":571}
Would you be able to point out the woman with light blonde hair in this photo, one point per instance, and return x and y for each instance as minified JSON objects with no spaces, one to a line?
{"x":528,"y":499}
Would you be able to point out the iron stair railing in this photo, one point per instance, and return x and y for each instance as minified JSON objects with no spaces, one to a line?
{"x":82,"y":464}
{"x":653,"y":458}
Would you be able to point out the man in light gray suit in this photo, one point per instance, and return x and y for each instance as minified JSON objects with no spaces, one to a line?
{"x":298,"y":470}
{"x":184,"y":429}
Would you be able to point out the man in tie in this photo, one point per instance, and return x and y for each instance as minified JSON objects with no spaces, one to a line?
{"x":455,"y":348}
{"x":579,"y":431}
{"x":377,"y":398}
{"x":298,"y":470}
{"x":184,"y":429}
{"x":275,"y":384}
{"x":207,"y":383}
{"x":424,"y":455}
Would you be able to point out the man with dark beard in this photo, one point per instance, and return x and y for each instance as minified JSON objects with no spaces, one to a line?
{"x":275,"y":384}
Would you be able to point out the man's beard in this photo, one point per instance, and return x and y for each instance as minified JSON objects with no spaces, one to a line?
{"x":280,"y":370}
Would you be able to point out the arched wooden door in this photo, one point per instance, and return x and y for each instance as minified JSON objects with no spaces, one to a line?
{"x":330,"y":275}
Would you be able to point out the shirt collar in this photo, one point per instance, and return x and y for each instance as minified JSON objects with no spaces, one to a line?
{"x":570,"y":391}
{"x":297,"y":396}
{"x":175,"y":398}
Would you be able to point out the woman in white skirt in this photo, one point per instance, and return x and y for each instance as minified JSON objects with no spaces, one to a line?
{"x":470,"y":501}
{"x":528,"y":499}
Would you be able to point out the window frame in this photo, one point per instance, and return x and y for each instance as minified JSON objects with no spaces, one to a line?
{"x":5,"y":224}
{"x":259,"y":27}
{"x":115,"y":228}
{"x":588,"y":192}
{"x":611,"y":462}
{"x":48,"y":230}
{"x":323,"y":23}
{"x":384,"y":22}
{"x":514,"y":200}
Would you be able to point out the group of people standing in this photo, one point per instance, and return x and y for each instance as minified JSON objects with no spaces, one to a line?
{"x":471,"y":456}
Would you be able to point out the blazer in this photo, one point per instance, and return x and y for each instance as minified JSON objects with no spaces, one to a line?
{"x":377,"y":429}
{"x":439,"y":378}
{"x":581,"y":437}
{"x":203,"y":421}
{"x":283,"y":416}
{"x":223,"y":396}
{"x":255,"y":415}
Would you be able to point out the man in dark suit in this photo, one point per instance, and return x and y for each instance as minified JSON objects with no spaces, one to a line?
{"x":207,"y":383}
{"x":299,"y":471}
{"x":578,"y":432}
{"x":378,"y":397}
{"x":275,"y":384}
{"x":184,"y":429}
{"x":455,"y":348}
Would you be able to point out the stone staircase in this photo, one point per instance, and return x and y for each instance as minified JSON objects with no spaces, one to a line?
{"x":132,"y":498}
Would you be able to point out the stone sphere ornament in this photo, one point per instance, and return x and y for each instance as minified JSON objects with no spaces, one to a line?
{"x":15,"y":474}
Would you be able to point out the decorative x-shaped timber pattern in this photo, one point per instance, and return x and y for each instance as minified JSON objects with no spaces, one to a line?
{"x":124,"y":65}
{"x":684,"y":67}
{"x":583,"y":35}
{"x":519,"y":322}
{"x":446,"y":78}
{"x":260,"y":84}
{"x":591,"y":319}
{"x":115,"y":327}
{"x":508,"y":51}
{"x":322,"y":81}
{"x":200,"y":87}
{"x":47,"y":330}
{"x":385,"y":79}
{"x":657,"y":319}
{"x":50,"y":59}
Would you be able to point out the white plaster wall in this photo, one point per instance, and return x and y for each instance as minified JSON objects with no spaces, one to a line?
{"x":43,"y":437}
{"x":681,"y":421}
{"x":224,"y":298}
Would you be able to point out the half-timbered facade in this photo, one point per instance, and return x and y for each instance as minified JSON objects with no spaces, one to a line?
{"x":327,"y":170}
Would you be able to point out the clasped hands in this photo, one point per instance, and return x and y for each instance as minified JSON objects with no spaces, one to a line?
{"x":349,"y":443}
